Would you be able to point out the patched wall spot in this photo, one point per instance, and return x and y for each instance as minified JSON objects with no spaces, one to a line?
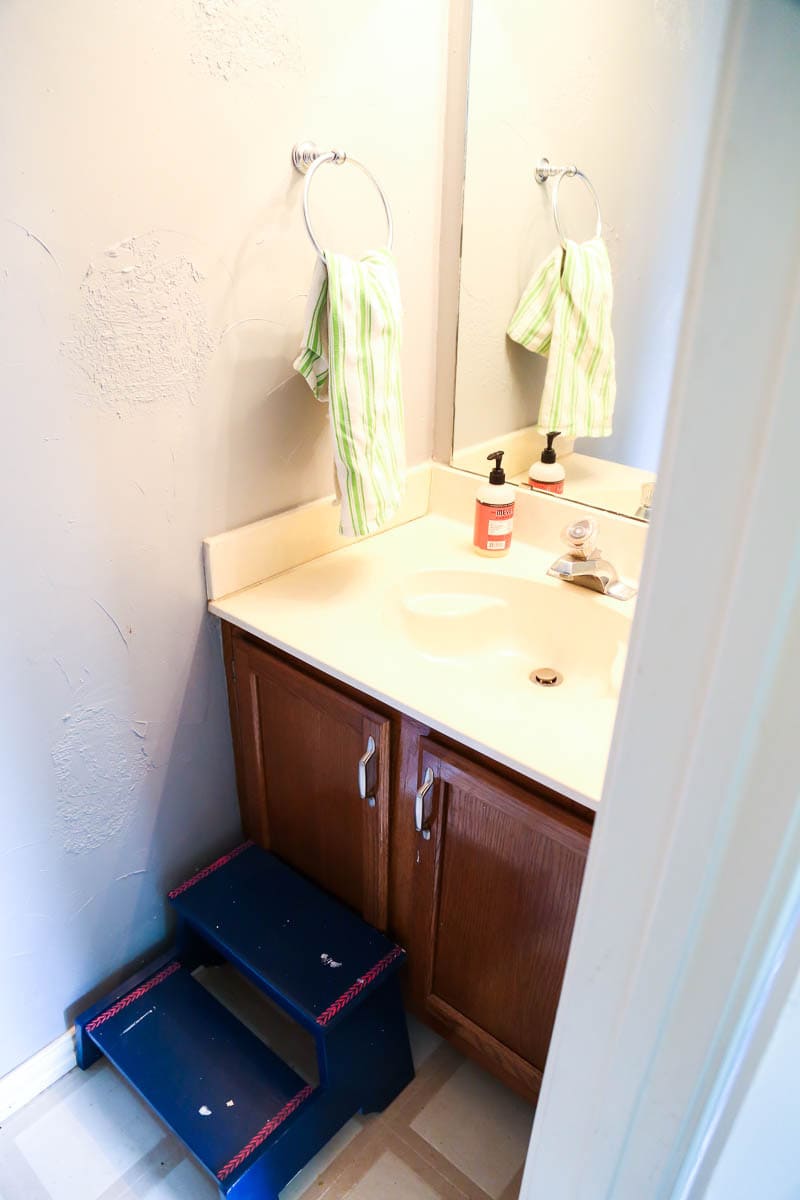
{"x":234,"y":37}
{"x":100,"y":764}
{"x":141,"y":333}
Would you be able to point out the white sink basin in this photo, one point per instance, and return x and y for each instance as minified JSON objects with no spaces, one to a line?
{"x":507,"y":627}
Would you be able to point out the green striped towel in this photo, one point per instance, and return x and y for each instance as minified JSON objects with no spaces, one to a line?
{"x":565,"y":313}
{"x":351,"y":358}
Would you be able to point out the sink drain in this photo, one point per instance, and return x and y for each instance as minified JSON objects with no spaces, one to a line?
{"x":546,"y":677}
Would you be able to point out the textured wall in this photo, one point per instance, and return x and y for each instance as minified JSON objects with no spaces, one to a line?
{"x":625,"y":91}
{"x":153,"y":271}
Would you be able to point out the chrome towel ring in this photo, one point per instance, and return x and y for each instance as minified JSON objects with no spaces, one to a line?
{"x":307,"y":159}
{"x":544,"y":172}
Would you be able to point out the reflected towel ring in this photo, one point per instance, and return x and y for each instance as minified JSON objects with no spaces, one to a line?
{"x":307,"y":159}
{"x":544,"y":171}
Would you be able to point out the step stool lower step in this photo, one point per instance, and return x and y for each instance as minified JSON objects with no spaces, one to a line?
{"x":224,"y":1093}
{"x":246,"y":1116}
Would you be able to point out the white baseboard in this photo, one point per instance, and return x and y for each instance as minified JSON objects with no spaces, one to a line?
{"x":40,"y":1072}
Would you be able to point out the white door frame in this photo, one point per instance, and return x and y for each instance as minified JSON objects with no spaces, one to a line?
{"x":686,"y":940}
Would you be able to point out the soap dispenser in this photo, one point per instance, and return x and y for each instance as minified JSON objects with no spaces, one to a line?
{"x":494,"y":511}
{"x":547,"y":475}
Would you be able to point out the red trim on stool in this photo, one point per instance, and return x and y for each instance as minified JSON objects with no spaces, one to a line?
{"x":264,"y":1132}
{"x":206,"y":871}
{"x":136,"y":994}
{"x":363,"y":981}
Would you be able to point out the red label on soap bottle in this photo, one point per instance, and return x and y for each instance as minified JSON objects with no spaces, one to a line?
{"x":493,"y":525}
{"x":539,"y":485}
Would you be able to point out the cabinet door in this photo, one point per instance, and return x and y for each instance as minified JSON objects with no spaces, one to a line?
{"x":501,"y":874}
{"x":299,"y":743}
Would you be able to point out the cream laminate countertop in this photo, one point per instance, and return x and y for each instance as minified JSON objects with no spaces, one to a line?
{"x":353,"y":614}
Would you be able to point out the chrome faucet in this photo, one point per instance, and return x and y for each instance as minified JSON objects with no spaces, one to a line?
{"x":585,"y":565}
{"x":645,"y":509}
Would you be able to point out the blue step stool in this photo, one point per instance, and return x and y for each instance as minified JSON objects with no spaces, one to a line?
{"x":245,"y":1115}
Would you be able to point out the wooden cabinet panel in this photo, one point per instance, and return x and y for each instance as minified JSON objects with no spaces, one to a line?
{"x":497,"y":893}
{"x":299,"y":745}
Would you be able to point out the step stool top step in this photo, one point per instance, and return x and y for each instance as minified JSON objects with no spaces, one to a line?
{"x":310,"y":952}
{"x":213,"y":1082}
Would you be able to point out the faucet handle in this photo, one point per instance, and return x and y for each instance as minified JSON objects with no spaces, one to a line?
{"x":581,"y":537}
{"x":646,"y":502}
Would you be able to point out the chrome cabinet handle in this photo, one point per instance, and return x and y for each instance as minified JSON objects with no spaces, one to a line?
{"x":367,"y":787}
{"x":424,"y":790}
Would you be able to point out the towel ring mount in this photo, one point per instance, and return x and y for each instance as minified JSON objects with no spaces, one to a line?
{"x":545,"y":171}
{"x":307,"y":159}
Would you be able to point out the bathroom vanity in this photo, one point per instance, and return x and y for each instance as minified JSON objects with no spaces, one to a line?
{"x":391,"y":745}
{"x":483,"y":897}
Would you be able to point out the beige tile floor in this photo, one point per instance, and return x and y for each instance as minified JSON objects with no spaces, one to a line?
{"x":454,"y":1133}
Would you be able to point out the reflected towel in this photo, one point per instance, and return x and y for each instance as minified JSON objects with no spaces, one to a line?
{"x":351,"y":358}
{"x":565,"y":313}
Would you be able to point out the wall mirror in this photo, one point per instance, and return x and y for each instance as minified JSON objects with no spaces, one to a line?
{"x":626,"y":96}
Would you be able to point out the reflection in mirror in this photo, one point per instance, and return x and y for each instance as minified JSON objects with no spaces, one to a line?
{"x":569,"y":321}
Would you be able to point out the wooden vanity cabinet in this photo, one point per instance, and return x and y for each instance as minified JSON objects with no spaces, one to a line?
{"x":298,"y":744}
{"x":496,"y":890}
{"x":484,"y":904}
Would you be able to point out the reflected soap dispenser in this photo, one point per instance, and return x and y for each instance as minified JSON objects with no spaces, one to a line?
{"x":547,"y":475}
{"x":494,"y":511}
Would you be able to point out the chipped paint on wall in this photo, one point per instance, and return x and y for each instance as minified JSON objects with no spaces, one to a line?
{"x":141,"y":332}
{"x":34,"y":238}
{"x":234,"y":37}
{"x":99,"y":764}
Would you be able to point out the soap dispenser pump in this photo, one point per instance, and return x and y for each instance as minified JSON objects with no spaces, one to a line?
{"x":494,"y":511}
{"x":547,"y":475}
